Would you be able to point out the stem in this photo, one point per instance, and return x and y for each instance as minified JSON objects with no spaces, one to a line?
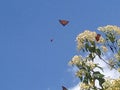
{"x":106,"y":62}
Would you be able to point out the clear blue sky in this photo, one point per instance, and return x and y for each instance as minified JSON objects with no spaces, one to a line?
{"x":28,"y":60}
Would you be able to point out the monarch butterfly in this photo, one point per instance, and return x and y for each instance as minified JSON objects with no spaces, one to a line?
{"x":64,"y":22}
{"x":97,"y":37}
{"x":64,"y":88}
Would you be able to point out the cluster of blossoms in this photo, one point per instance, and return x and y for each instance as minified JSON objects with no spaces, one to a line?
{"x":110,"y":28}
{"x":89,"y":36}
{"x":112,"y":84}
{"x":93,"y":45}
{"x":86,"y":35}
{"x":91,"y":64}
{"x":84,"y":86}
{"x":76,"y":60}
{"x":80,"y":72}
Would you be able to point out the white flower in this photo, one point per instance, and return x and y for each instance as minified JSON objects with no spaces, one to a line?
{"x":80,"y":73}
{"x":84,"y":86}
{"x":76,"y":60}
{"x":91,"y":64}
{"x":104,"y":49}
{"x":82,"y":37}
{"x":110,"y":28}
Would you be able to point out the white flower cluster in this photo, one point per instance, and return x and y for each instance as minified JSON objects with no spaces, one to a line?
{"x":84,"y":86}
{"x":110,"y":28}
{"x":90,"y":36}
{"x":87,"y":35}
{"x":80,"y":73}
{"x":76,"y":60}
{"x":91,"y":64}
{"x":107,"y":82}
{"x":112,"y":84}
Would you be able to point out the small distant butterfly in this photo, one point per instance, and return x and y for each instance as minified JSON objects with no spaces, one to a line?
{"x":51,"y":40}
{"x":97,"y":37}
{"x":64,"y":88}
{"x":64,"y":22}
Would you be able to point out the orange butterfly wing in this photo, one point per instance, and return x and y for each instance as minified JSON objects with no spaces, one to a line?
{"x":63,"y":22}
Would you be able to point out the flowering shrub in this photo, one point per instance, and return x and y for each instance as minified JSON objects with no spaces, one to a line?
{"x":91,"y":45}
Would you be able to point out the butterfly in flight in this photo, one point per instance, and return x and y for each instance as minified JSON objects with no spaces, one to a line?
{"x":64,"y":88}
{"x":97,"y":37}
{"x":64,"y":22}
{"x":51,"y":40}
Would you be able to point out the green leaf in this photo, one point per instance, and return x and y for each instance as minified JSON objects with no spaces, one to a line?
{"x":86,"y":40}
{"x":92,"y":43}
{"x":98,"y":52}
{"x":85,"y":80}
{"x":100,"y":67}
{"x":81,"y":78}
{"x":119,"y":52}
{"x":118,"y":64}
{"x":98,"y":75}
{"x":92,"y":49}
{"x":111,"y":37}
{"x":101,"y":81}
{"x":86,"y":46}
{"x":91,"y":56}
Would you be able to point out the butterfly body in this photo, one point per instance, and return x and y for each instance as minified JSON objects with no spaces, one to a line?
{"x":97,"y":37}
